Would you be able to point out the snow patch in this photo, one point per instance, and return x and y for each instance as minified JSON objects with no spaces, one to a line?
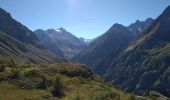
{"x":139,"y":29}
{"x":58,"y":30}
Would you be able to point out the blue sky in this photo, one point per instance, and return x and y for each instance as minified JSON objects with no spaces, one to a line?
{"x":84,"y":18}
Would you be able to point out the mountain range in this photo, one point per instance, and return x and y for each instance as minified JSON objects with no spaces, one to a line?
{"x":61,"y":42}
{"x":134,"y":64}
{"x":116,"y":38}
{"x":87,"y":41}
{"x":140,"y":26}
{"x":134,"y":58}
{"x":28,"y":70}
{"x":144,"y":64}
{"x":17,"y":41}
{"x":111,"y":42}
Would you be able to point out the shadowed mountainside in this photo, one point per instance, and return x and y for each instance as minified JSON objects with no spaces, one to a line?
{"x":115,"y":39}
{"x":17,"y":41}
{"x":144,"y":65}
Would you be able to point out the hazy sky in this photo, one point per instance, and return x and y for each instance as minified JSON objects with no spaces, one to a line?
{"x":84,"y":18}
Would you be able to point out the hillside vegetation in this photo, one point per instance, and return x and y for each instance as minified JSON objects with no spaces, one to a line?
{"x":63,"y":81}
{"x":60,"y":81}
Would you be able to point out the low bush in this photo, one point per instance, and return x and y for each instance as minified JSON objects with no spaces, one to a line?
{"x":2,"y":68}
{"x":58,"y":88}
{"x":49,"y":82}
{"x":75,"y":73}
{"x":12,"y":63}
{"x":44,"y":83}
{"x":15,"y":74}
{"x":32,"y":73}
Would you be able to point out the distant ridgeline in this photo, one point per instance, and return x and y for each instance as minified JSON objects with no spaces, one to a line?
{"x":134,"y":62}
{"x":62,"y":43}
{"x":17,"y":41}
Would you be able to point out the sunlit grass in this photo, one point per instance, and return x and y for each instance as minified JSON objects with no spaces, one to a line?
{"x":76,"y":86}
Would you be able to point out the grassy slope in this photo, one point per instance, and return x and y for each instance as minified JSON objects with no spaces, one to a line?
{"x":78,"y":81}
{"x":79,"y":84}
{"x":11,"y":92}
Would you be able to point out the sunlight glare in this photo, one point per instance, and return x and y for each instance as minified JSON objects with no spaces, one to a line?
{"x":72,"y":3}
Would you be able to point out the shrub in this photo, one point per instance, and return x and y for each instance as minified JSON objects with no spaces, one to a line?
{"x":15,"y":74}
{"x":12,"y":63}
{"x":32,"y":74}
{"x":49,"y":82}
{"x":2,"y":68}
{"x":58,"y":88}
{"x":44,"y":83}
